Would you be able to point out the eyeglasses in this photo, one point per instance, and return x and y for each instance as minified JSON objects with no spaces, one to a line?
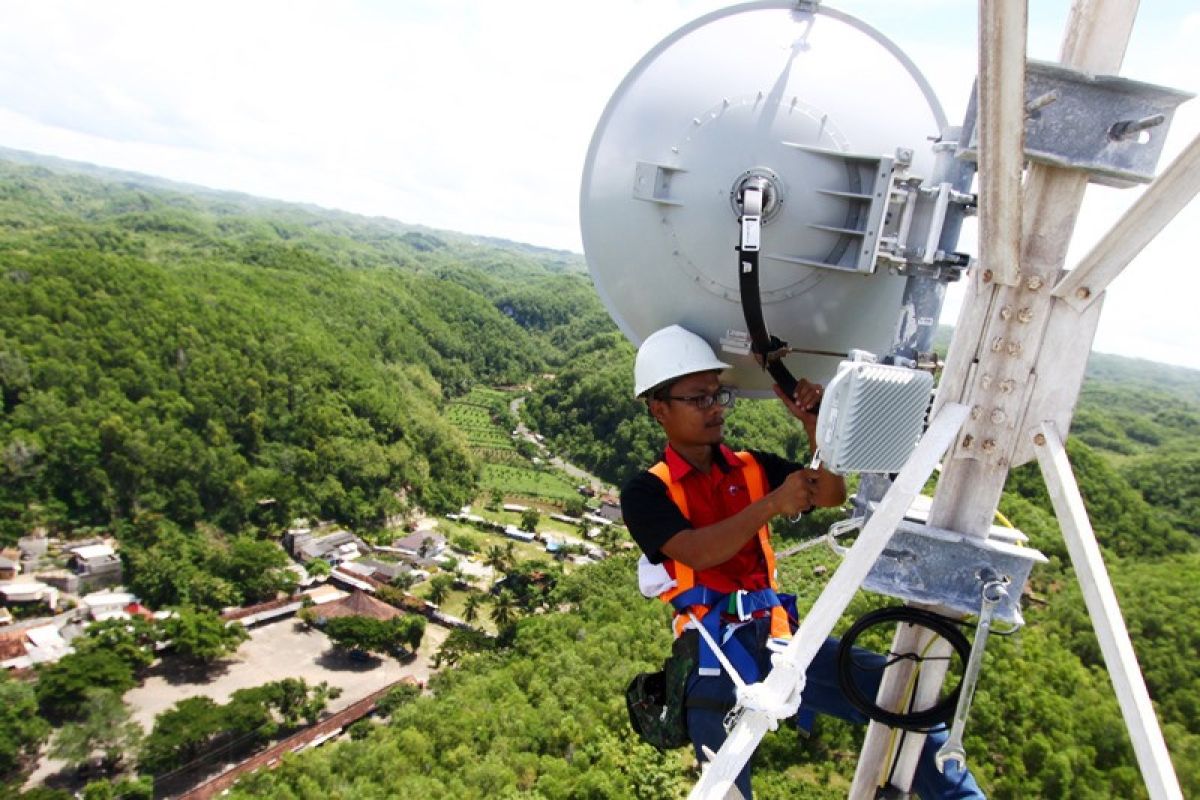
{"x":722,"y":397}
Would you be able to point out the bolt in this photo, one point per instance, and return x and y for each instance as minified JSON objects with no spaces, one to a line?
{"x":1040,"y":102}
{"x":985,"y":380}
{"x":998,"y":416}
{"x":1083,"y":293}
{"x":1039,"y":439}
{"x":1034,"y":283}
{"x":1001,"y":462}
{"x":1008,"y":385}
{"x":695,"y":120}
{"x":967,"y":441}
{"x":1006,"y":313}
{"x":976,"y":412}
{"x":1025,"y":314}
{"x":989,"y":445}
{"x":997,"y":344}
{"x":987,"y":276}
{"x":1014,"y":348}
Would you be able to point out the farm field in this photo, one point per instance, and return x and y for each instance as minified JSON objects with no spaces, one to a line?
{"x":475,"y":415}
{"x":530,"y":482}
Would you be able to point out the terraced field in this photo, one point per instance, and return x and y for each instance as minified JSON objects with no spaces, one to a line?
{"x":473,"y":416}
{"x":504,"y":468}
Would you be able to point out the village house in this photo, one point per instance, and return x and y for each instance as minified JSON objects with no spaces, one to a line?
{"x":25,"y":648}
{"x":28,"y":591}
{"x":9,"y":569}
{"x":336,"y":548}
{"x":357,"y":604}
{"x":386,"y":571}
{"x":324,"y":594}
{"x":109,"y":604}
{"x":422,"y":545}
{"x":97,"y":565}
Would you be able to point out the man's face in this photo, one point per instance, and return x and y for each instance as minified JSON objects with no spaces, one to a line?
{"x":684,"y":423}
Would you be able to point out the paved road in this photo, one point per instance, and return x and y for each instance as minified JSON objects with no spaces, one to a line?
{"x":575,"y":472}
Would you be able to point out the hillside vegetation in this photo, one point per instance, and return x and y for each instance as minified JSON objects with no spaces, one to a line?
{"x":192,"y":370}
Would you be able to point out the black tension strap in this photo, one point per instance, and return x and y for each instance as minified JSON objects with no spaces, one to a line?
{"x":768,"y":348}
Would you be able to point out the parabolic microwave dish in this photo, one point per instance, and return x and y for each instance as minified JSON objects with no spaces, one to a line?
{"x":811,"y":104}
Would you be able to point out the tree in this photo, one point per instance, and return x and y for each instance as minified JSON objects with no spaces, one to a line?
{"x":497,"y":559}
{"x":318,"y":568}
{"x":574,"y":506}
{"x":399,"y":695}
{"x":471,"y":609}
{"x":22,"y":731}
{"x":255,"y":568}
{"x":131,"y":639}
{"x":370,"y":635}
{"x":180,"y":734}
{"x":460,"y":643}
{"x":530,"y":519}
{"x":504,"y":609}
{"x":426,"y":546}
{"x":62,"y":686}
{"x":439,"y":588}
{"x":105,"y":730}
{"x":124,"y":789}
{"x":201,"y":636}
{"x":403,"y":581}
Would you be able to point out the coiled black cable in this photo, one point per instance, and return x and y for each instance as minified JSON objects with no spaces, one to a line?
{"x":922,"y":721}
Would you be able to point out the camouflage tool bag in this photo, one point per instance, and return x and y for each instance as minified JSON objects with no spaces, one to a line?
{"x":656,"y":699}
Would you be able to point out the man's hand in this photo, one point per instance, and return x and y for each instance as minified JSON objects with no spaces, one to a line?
{"x":806,"y":402}
{"x":796,"y":494}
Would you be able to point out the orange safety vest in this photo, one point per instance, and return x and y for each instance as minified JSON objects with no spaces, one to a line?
{"x":685,"y":576}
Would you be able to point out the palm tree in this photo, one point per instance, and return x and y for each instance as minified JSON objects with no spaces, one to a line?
{"x":496,"y":559}
{"x":471,"y":610}
{"x":504,"y":609}
{"x":439,"y":588}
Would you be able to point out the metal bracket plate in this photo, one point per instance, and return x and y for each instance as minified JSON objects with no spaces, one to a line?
{"x":923,"y":564}
{"x":1074,"y":120}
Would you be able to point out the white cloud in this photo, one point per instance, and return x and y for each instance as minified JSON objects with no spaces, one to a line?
{"x":468,"y":114}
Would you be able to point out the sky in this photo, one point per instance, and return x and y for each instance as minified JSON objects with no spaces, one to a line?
{"x":475,"y":115}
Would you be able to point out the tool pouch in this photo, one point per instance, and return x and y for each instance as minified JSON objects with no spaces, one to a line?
{"x":656,"y":700}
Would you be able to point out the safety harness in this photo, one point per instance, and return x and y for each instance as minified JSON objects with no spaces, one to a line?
{"x":713,"y":608}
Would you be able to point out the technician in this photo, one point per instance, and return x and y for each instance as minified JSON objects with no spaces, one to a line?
{"x":700,"y":517}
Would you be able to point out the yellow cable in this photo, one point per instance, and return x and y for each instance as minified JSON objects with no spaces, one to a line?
{"x":913,"y":677}
{"x":1004,"y":520}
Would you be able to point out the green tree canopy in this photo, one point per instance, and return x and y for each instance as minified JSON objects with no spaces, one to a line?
{"x":201,"y":636}
{"x":22,"y":731}
{"x":105,"y":732}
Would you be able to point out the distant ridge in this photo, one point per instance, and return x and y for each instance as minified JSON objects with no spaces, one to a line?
{"x":565,"y":259}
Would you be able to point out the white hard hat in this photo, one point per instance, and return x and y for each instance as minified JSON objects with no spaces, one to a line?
{"x":668,"y":353}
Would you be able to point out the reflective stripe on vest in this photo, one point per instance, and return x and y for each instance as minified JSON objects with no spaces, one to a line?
{"x":685,"y":576}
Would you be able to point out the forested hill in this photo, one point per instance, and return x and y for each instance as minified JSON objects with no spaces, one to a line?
{"x":196,"y":356}
{"x":178,"y":366}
